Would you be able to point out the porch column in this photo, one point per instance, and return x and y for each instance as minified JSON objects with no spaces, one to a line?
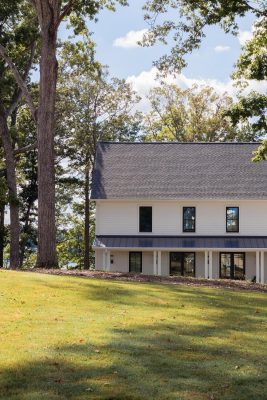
{"x":206,"y":264}
{"x":257,"y":266}
{"x":108,"y":260}
{"x":155,"y":262}
{"x":210,"y":264}
{"x":104,"y":260}
{"x":159,"y":262}
{"x":262,"y":266}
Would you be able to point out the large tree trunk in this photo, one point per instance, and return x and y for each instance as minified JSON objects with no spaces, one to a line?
{"x":86,"y":221}
{"x":47,"y":257}
{"x":2,"y":231}
{"x":12,"y":189}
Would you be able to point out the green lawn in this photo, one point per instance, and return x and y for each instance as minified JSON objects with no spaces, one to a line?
{"x":73,"y":338}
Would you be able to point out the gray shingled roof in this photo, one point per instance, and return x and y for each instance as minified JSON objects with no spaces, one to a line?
{"x":178,"y":242}
{"x":178,"y":171}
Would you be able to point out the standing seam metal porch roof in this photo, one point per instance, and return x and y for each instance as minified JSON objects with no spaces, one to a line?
{"x":178,"y":171}
{"x":203,"y":242}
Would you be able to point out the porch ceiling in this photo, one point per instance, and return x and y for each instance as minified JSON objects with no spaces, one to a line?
{"x":190,"y":242}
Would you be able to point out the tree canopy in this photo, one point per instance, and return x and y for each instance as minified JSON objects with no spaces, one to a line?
{"x":184,"y":23}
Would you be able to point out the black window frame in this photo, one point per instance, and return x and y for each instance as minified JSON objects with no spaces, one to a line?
{"x":231,"y":219}
{"x":141,"y":267}
{"x":184,"y":219}
{"x":232,"y":253}
{"x":183,"y":257}
{"x":145,"y":230}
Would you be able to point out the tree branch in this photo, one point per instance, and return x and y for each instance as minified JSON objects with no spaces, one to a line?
{"x":65,"y":11}
{"x":18,"y":94}
{"x":24,"y":149}
{"x":19,"y":80}
{"x":256,"y":10}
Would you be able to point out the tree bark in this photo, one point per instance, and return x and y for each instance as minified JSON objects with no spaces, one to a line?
{"x":26,"y":226}
{"x":12,"y":189}
{"x":2,"y":230}
{"x":47,"y":257}
{"x":86,"y":221}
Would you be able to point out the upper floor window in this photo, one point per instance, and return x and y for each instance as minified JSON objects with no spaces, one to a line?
{"x":189,"y":219}
{"x":232,"y":219}
{"x":145,"y":219}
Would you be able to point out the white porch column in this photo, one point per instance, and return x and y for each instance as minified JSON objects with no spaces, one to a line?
{"x":257,"y":266}
{"x":108,"y":260}
{"x":210,"y":264}
{"x":262,"y":266}
{"x":155,"y":262}
{"x":206,"y":264}
{"x":104,"y":260}
{"x":159,"y":262}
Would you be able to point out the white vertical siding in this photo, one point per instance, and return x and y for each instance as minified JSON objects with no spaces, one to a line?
{"x":200,"y":264}
{"x":147,"y":262}
{"x":122,"y":217}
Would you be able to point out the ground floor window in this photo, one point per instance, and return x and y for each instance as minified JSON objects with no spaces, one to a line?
{"x":182,"y":264}
{"x":135,"y":261}
{"x":232,"y":265}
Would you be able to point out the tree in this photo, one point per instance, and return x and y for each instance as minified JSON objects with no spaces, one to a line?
{"x":18,"y":34}
{"x":50,"y":14}
{"x":252,"y":65}
{"x":3,"y":202}
{"x":194,"y":114}
{"x":92,"y":107}
{"x":187,"y":21}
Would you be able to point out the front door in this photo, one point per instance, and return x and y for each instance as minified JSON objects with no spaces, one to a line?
{"x":182,"y":264}
{"x":232,"y":265}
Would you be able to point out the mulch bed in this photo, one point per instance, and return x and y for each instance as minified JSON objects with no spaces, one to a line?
{"x":173,"y":280}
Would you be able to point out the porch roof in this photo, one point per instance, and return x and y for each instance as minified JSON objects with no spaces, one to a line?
{"x":175,"y":242}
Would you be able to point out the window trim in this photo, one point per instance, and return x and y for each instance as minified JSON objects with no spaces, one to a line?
{"x":183,"y":253}
{"x":139,"y":252}
{"x":189,"y":230}
{"x":232,"y":253}
{"x":139,"y":217}
{"x":238,"y":217}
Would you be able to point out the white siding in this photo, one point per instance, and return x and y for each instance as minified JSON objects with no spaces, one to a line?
{"x":200,"y":264}
{"x":122,"y":217}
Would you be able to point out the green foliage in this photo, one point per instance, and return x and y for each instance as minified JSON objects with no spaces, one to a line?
{"x":91,"y":106}
{"x":194,"y":114}
{"x":252,"y":63}
{"x":254,"y":105}
{"x":19,"y":30}
{"x":186,"y":22}
{"x":70,"y":245}
{"x":261,"y":153}
{"x":84,"y":9}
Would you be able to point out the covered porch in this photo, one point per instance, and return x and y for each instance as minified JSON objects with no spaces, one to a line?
{"x":201,"y":257}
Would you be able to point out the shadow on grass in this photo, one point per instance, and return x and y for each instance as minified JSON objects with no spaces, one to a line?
{"x":167,"y":360}
{"x":196,"y":344}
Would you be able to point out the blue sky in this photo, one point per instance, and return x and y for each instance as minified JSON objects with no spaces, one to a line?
{"x":212,"y":64}
{"x":204,"y":63}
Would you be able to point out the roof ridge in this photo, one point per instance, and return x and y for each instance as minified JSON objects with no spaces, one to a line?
{"x":193,"y":143}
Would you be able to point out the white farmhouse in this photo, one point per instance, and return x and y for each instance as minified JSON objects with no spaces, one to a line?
{"x":191,"y":209}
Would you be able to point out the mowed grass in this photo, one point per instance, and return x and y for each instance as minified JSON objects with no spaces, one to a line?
{"x":72,"y":338}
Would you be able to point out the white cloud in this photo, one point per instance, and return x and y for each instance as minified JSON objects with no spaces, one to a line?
{"x":146,"y":80}
{"x":244,"y":36}
{"x":130,"y":39}
{"x":221,"y":49}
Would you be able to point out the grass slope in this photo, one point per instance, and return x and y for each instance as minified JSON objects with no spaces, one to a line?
{"x":73,"y":338}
